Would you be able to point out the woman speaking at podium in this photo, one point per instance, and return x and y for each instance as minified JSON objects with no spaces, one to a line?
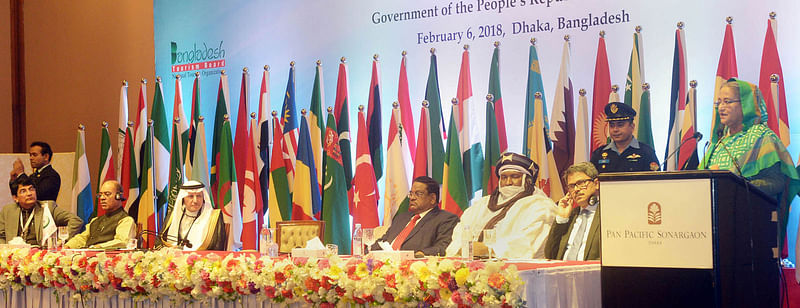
{"x":743,"y":144}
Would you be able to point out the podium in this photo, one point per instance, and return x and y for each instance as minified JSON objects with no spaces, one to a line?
{"x":687,"y":239}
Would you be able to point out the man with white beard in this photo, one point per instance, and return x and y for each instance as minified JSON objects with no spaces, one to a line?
{"x":520,"y":214}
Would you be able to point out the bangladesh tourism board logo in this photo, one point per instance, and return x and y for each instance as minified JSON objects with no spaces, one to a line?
{"x":197,"y":57}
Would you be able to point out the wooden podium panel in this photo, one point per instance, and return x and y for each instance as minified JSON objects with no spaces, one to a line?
{"x":687,"y":239}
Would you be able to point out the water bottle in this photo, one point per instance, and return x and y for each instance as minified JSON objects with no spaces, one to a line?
{"x":358,"y":244}
{"x":263,"y":240}
{"x":272,"y":248}
{"x":466,"y":244}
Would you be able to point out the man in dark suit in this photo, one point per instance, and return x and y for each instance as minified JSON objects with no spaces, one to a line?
{"x":24,"y":217}
{"x":575,"y":235}
{"x":425,"y":228}
{"x":45,"y":178}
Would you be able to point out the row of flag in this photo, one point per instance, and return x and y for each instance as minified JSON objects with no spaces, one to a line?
{"x":301,"y":168}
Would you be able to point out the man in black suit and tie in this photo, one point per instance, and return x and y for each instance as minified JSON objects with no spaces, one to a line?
{"x":575,"y":235}
{"x":44,"y":177}
{"x":425,"y":228}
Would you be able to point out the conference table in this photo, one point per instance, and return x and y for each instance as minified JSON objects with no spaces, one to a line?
{"x":528,"y":283}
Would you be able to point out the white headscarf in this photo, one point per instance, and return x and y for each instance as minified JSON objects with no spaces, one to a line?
{"x":198,"y":233}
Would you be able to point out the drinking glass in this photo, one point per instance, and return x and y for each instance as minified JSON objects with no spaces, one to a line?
{"x":131,"y":244}
{"x":63,"y":235}
{"x":489,"y":238}
{"x":369,"y":237}
{"x":333,"y":249}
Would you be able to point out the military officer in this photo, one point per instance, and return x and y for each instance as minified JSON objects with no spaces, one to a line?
{"x":624,"y":153}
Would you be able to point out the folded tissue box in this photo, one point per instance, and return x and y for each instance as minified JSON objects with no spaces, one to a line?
{"x":314,"y":248}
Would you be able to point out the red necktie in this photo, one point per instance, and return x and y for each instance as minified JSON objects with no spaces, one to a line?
{"x":398,"y":241}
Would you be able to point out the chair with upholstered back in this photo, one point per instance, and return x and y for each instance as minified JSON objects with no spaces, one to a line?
{"x":295,"y":233}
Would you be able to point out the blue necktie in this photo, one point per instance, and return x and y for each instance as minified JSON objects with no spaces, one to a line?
{"x":577,"y":241}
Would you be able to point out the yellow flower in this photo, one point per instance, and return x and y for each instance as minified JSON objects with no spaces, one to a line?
{"x":445,"y":294}
{"x":335,"y":272}
{"x":361,"y":270}
{"x":421,"y":270}
{"x":461,"y":276}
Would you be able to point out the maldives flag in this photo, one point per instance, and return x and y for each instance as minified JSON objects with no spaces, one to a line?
{"x":435,"y":129}
{"x":335,"y":205}
{"x":494,"y":90}
{"x":227,"y":189}
{"x":399,"y":167}
{"x":106,"y":170}
{"x":454,"y":187}
{"x":364,"y":207}
{"x":404,"y":101}
{"x":677,"y":108}
{"x":423,"y":159}
{"x":82,"y":199}
{"x":306,"y":198}
{"x":600,"y":96}
{"x":490,"y":180}
{"x":726,"y":69}
{"x":251,"y":195}
{"x":374,"y":122}
{"x":280,"y":198}
{"x":342,"y":113}
{"x":467,"y":132}
{"x":563,"y":120}
{"x":776,"y":102}
{"x":242,"y":137}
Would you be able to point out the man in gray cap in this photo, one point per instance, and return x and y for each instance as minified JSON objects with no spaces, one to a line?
{"x":519,"y":212}
{"x":624,"y":153}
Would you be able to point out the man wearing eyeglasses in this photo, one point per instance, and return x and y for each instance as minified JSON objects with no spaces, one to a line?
{"x":424,"y":228}
{"x":576,"y":233}
{"x":24,"y":221}
{"x":114,"y":229}
{"x":624,"y":153}
{"x":519,"y":213}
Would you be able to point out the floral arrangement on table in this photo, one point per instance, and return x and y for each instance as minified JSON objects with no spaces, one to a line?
{"x":325,"y":282}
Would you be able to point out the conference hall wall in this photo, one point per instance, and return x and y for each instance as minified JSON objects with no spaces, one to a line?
{"x":231,"y":35}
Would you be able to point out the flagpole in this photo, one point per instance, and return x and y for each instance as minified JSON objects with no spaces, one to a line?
{"x":152,"y":166}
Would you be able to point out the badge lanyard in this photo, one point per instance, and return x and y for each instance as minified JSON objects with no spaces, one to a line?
{"x":26,"y":225}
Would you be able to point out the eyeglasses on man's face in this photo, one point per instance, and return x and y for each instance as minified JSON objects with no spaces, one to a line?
{"x":579,"y":185}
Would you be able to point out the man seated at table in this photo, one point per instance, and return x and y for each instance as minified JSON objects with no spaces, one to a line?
{"x":576,"y":233}
{"x":519,"y":212}
{"x":193,"y":224}
{"x":425,"y":228}
{"x":23,"y":219}
{"x":114,"y":229}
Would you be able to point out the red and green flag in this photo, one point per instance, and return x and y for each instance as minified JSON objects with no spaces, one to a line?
{"x":106,"y":170}
{"x":242,"y":137}
{"x":489,"y":179}
{"x":342,"y":113}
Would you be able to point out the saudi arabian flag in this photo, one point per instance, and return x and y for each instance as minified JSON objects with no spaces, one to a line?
{"x":335,"y":208}
{"x":175,"y":165}
{"x":82,"y":200}
{"x":454,"y":188}
{"x":161,"y":146}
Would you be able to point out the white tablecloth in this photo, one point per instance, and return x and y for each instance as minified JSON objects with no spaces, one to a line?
{"x":551,"y":287}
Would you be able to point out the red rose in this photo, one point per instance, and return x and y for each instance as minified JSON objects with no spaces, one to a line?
{"x":388,"y":297}
{"x":280,"y":277}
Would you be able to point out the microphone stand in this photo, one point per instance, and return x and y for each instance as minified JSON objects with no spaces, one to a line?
{"x":696,"y":135}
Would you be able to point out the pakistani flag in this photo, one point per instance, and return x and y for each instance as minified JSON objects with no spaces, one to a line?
{"x":436,"y":119}
{"x":82,"y":201}
{"x":454,"y":187}
{"x":335,"y":208}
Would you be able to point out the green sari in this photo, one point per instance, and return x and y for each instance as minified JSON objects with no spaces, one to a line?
{"x":758,"y":151}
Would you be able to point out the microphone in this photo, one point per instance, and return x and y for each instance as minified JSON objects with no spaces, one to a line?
{"x":696,"y":135}
{"x":179,"y":242}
